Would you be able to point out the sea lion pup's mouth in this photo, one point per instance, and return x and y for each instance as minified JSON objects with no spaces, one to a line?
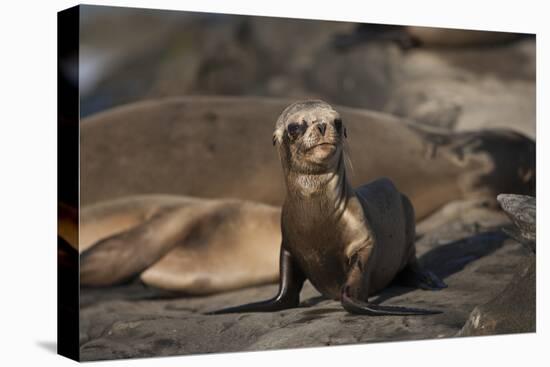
{"x":323,"y":145}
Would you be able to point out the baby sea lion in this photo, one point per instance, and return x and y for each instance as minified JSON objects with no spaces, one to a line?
{"x":349,"y":243}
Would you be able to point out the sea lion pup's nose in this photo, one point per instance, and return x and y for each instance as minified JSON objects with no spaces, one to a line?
{"x":322,"y":128}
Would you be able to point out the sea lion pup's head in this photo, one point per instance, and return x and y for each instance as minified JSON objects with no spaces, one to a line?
{"x":309,"y":136}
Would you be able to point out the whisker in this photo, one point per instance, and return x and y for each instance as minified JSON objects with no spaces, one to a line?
{"x":347,"y":159}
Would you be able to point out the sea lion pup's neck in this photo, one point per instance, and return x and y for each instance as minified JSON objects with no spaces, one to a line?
{"x":329,"y":189}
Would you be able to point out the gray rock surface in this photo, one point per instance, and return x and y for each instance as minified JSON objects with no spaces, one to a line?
{"x":476,"y":259}
{"x":513,"y":310}
{"x":522,"y":211}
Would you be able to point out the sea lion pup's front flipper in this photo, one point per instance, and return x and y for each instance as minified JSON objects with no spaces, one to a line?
{"x":356,"y":288}
{"x":291,"y":280}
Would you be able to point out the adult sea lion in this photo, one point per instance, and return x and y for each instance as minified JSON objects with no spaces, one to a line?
{"x":215,"y":147}
{"x":349,"y":243}
{"x":177,"y":243}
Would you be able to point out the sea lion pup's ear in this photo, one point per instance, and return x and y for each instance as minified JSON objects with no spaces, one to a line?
{"x":274,"y":138}
{"x":340,"y":128}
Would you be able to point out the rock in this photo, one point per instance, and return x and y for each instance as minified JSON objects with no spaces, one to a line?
{"x":469,"y":251}
{"x":522,"y":211}
{"x":512,"y":311}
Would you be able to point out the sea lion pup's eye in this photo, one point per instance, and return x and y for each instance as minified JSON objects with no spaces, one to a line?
{"x":295,"y":129}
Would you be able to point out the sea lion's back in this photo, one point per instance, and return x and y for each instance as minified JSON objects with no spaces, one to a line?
{"x":379,"y":195}
{"x":390,"y":221}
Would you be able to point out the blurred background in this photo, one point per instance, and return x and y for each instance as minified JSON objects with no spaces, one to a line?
{"x":452,"y":79}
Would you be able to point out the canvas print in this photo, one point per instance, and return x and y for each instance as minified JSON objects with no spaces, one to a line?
{"x":233,"y":183}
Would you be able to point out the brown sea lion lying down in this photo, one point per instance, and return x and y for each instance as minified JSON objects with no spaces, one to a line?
{"x":213,"y":147}
{"x":177,"y":243}
{"x":219,"y":147}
